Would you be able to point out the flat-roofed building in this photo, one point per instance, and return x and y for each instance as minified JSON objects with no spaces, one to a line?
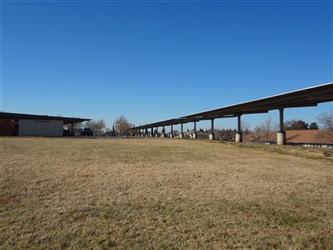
{"x":15,"y":124}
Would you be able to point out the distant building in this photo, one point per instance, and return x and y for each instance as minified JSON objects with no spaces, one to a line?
{"x":304,"y":138}
{"x":14,"y":124}
{"x":310,"y":138}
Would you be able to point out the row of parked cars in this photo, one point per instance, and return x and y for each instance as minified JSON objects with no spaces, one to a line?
{"x":81,"y":132}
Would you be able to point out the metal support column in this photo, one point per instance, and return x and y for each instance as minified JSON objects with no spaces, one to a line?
{"x":163,"y":132}
{"x":72,"y":129}
{"x":212,"y":134}
{"x":239,"y":133}
{"x":281,"y":135}
{"x":181,"y":135}
{"x":194,"y":135}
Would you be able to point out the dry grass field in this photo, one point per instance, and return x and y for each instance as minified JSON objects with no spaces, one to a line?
{"x":163,"y":194}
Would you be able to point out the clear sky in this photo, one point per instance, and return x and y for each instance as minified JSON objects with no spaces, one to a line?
{"x":154,"y":60}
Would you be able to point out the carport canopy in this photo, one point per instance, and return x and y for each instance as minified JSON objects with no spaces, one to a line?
{"x":307,"y":97}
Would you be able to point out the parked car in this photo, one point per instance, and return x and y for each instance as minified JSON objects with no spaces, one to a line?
{"x":67,"y":132}
{"x":86,"y":132}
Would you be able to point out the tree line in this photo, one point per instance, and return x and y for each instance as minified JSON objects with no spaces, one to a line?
{"x":120,"y":127}
{"x":263,"y":131}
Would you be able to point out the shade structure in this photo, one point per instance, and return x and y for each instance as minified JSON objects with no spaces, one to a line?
{"x":307,"y":97}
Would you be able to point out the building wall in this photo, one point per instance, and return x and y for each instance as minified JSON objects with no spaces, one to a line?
{"x":40,"y":128}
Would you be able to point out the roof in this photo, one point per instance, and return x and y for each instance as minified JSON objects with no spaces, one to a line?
{"x":18,"y":116}
{"x":295,"y":137}
{"x":306,"y":97}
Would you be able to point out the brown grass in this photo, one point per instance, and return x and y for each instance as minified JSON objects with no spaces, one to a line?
{"x":162,"y":194}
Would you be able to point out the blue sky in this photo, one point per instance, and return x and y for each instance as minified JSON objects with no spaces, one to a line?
{"x":157,"y":60}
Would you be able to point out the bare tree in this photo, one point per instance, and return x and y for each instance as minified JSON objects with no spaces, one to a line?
{"x":263,"y":131}
{"x":77,"y":127}
{"x":100,"y":127}
{"x":89,"y":124}
{"x":326,"y":120}
{"x":74,"y":129}
{"x":245,"y":127}
{"x":122,"y":125}
{"x":225,"y":134}
{"x":97,"y":126}
{"x":258,"y":133}
{"x":268,"y":128}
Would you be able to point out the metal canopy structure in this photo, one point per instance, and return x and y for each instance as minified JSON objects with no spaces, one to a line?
{"x":17,"y":116}
{"x":307,"y":97}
